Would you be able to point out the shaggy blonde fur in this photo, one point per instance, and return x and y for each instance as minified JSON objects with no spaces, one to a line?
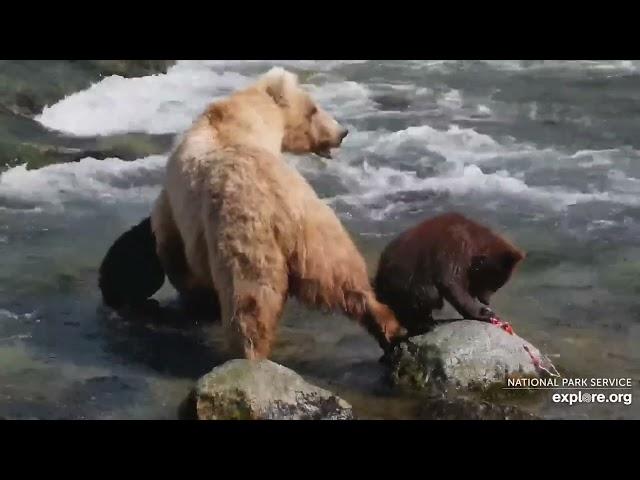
{"x":235,"y":217}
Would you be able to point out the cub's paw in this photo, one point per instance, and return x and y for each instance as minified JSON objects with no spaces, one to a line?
{"x":486,"y":315}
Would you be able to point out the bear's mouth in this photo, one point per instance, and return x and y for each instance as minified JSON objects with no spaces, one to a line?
{"x":325,"y":153}
{"x":324,"y":149}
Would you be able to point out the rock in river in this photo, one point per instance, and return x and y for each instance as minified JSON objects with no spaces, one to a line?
{"x":264,"y":390}
{"x":465,"y":354}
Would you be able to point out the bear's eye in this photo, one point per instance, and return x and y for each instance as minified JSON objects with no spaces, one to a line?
{"x":313,"y":111}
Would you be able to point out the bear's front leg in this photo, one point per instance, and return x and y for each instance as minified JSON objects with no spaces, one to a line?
{"x":457,"y":295}
{"x":381,"y":322}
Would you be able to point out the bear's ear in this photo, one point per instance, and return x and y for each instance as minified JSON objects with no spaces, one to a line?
{"x":279,"y":83}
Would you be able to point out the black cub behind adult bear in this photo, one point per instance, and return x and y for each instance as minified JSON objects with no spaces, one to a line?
{"x":131,"y":272}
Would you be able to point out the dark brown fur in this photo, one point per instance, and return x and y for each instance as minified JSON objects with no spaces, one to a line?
{"x":448,"y":257}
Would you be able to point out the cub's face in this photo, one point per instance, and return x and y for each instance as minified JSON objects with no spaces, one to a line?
{"x":488,"y":274}
{"x":308,"y":128}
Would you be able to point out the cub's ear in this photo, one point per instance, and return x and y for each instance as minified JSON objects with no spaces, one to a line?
{"x":279,"y":83}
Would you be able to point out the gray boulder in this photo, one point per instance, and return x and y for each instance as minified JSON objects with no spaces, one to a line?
{"x":465,"y":354}
{"x":263,"y":390}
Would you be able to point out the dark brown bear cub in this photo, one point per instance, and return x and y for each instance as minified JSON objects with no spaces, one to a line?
{"x":448,"y":257}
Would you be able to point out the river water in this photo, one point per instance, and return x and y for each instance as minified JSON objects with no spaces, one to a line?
{"x":545,"y":152}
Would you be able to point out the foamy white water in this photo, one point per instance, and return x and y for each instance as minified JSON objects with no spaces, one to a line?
{"x":606,"y":65}
{"x":375,"y":183}
{"x":455,"y":143}
{"x":164,"y":103}
{"x":168,"y":103}
{"x":110,"y":180}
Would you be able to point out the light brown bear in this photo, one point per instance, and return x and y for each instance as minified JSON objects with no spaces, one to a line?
{"x":235,"y":218}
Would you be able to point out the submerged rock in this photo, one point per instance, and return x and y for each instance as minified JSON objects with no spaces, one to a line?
{"x":393,"y":102}
{"x":465,"y":354}
{"x":469,"y":409}
{"x":29,"y":98}
{"x":125,"y":147}
{"x":263,"y":390}
{"x":27,"y":88}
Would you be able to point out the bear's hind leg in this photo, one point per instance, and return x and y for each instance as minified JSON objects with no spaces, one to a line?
{"x":169,"y":244}
{"x":171,"y":251}
{"x":252,"y":289}
{"x":253,"y":321}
